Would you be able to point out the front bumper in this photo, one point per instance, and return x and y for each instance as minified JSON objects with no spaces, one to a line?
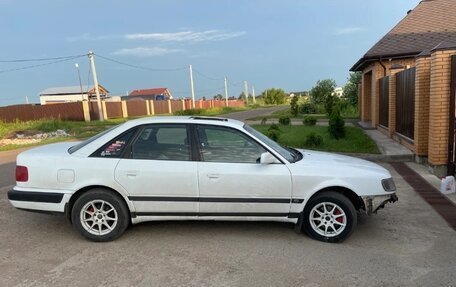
{"x":373,"y":203}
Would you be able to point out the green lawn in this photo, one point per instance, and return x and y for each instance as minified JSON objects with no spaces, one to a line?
{"x":78,"y":130}
{"x":355,"y":141}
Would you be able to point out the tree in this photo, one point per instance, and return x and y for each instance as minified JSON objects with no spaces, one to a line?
{"x":336,"y":126}
{"x":322,"y":90}
{"x":218,"y":97}
{"x":242,"y":96}
{"x":294,"y":107}
{"x":274,"y":96}
{"x":351,"y":88}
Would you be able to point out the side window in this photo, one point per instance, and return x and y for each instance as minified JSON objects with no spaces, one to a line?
{"x":218,"y":144}
{"x":115,"y":148}
{"x":162,"y":142}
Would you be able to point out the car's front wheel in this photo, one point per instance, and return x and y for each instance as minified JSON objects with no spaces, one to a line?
{"x":329,"y":217}
{"x":100,"y":215}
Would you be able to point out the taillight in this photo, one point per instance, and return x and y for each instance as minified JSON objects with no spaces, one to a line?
{"x":21,"y":173}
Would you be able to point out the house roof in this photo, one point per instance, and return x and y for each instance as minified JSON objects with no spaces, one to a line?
{"x":148,"y":92}
{"x":68,"y":90}
{"x":425,"y":27}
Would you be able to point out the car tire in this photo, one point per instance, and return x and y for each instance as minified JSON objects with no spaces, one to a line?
{"x":330,"y":217}
{"x":100,"y":215}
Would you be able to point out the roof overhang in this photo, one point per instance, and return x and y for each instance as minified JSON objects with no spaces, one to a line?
{"x":359,"y":66}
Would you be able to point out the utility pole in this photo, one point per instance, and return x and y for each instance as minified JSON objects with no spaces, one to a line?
{"x":246,"y":92}
{"x":26,"y":100}
{"x":253,"y":94}
{"x":192,"y":87}
{"x":80,"y":82}
{"x":226,"y":93}
{"x":95,"y":82}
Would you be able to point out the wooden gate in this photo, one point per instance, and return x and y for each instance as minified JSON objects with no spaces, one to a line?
{"x":452,"y":119}
{"x":384,"y":101}
{"x":405,"y":102}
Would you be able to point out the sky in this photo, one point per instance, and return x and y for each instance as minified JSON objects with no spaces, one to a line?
{"x":287,"y":44}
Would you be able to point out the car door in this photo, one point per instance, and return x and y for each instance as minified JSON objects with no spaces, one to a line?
{"x":232,"y":182}
{"x":158,"y":171}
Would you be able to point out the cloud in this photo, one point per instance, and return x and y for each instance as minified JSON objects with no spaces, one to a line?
{"x":349,"y":30}
{"x":186,"y":36}
{"x":145,"y":51}
{"x":89,"y":37}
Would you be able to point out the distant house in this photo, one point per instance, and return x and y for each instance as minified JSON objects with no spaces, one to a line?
{"x":59,"y":95}
{"x":155,"y":94}
{"x":338,"y":91}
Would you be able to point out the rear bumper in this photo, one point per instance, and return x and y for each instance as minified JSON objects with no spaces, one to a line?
{"x":373,"y":203}
{"x":39,"y":200}
{"x":50,"y":197}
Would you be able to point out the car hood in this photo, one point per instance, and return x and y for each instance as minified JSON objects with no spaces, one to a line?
{"x":330,"y":159}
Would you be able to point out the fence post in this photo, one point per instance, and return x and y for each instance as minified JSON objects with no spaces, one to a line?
{"x":103,"y":107}
{"x":147,"y":107}
{"x":183,"y":104}
{"x":124,"y":109}
{"x":86,"y":110}
{"x":152,"y":107}
{"x":170,"y":110}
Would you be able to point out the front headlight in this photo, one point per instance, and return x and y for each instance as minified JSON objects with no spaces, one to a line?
{"x":388,"y":184}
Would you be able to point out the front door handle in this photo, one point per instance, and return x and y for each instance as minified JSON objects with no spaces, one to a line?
{"x":213,"y":176}
{"x":132,"y":173}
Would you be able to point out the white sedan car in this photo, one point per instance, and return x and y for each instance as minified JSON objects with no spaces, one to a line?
{"x":193,"y":168}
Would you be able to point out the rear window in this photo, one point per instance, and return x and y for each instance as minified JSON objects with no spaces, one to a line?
{"x":87,"y":141}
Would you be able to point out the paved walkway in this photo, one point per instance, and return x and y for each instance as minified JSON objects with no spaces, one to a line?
{"x":244,"y":115}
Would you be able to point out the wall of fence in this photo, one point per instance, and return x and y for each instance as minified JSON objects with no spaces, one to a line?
{"x":68,"y":111}
{"x":87,"y":111}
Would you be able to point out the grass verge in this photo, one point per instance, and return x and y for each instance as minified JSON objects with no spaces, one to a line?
{"x":287,"y":113}
{"x":355,"y":141}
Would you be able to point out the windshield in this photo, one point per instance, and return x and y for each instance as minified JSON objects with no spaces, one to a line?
{"x":290,"y":154}
{"x":87,"y":141}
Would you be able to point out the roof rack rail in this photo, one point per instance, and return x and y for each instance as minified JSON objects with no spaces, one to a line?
{"x":209,"y":118}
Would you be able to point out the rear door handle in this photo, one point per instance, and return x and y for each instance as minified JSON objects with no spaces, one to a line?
{"x":213,"y":176}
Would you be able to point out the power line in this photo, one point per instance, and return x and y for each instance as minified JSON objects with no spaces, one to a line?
{"x":140,"y":67}
{"x":40,"y":59}
{"x":40,"y":65}
{"x":207,"y":77}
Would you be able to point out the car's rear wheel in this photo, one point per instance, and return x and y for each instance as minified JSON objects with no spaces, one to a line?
{"x":100,"y":215}
{"x":329,"y":217}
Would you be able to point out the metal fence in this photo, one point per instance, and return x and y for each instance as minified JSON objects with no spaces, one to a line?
{"x":80,"y":111}
{"x":67,"y":111}
{"x":405,"y":102}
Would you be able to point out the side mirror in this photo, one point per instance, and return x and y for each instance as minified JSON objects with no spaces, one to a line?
{"x":267,"y":158}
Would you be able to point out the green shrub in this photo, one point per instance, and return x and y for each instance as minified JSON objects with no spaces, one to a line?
{"x":273,"y":134}
{"x":274,"y":127}
{"x":284,"y":121}
{"x":309,"y":121}
{"x":336,"y":124}
{"x":294,"y":107}
{"x":308,"y":108}
{"x":313,"y":140}
{"x":190,"y":112}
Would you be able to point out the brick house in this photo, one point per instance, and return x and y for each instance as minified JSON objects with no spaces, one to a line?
{"x":406,"y":88}
{"x":150,"y":94}
{"x":58,"y":95}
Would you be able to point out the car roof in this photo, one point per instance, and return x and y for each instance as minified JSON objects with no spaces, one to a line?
{"x":186,"y":119}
